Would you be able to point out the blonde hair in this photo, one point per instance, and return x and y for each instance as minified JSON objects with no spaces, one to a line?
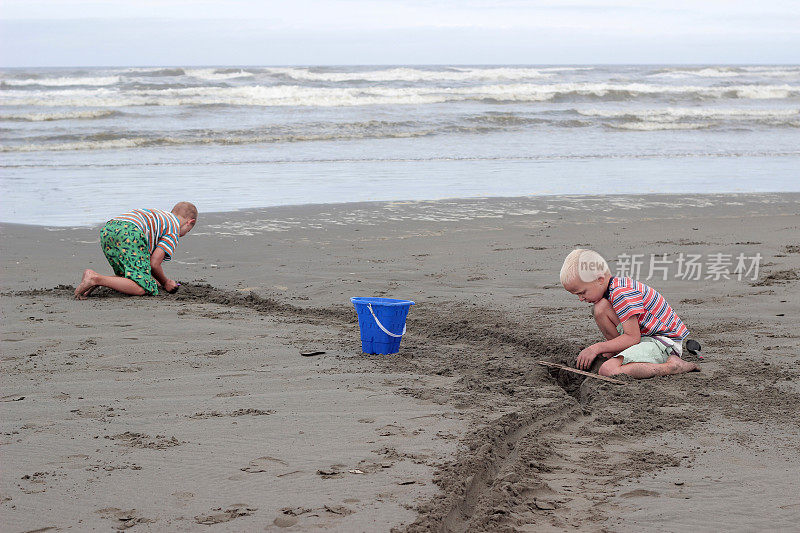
{"x":186,"y":210}
{"x":584,"y":265}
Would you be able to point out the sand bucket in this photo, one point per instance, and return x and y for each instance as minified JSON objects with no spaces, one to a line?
{"x":382,"y":322}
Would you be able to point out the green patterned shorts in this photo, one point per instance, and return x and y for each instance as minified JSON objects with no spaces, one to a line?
{"x":125,"y":247}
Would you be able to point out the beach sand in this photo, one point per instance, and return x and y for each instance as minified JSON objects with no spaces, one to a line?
{"x":196,"y":411}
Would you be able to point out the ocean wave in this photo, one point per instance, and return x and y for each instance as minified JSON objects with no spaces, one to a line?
{"x":199,"y":73}
{"x":505,"y":119}
{"x":215,"y":74}
{"x":61,"y":82}
{"x":157,"y":71}
{"x":413,"y":74}
{"x":141,"y":142}
{"x":565,"y":69}
{"x":701,"y":72}
{"x":294,"y":95}
{"x":306,"y":132}
{"x":728,"y":72}
{"x":657,"y":126}
{"x":679,"y":112}
{"x":82,"y":145}
{"x":671,"y":114}
{"x":67,"y":115}
{"x":325,"y":132}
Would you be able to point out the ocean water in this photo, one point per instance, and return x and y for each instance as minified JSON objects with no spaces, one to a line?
{"x":81,"y":145}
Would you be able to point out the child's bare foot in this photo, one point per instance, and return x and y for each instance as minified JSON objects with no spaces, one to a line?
{"x":86,"y":285}
{"x":680,"y":366}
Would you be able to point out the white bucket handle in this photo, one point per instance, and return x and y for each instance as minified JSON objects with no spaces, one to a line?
{"x":381,"y":325}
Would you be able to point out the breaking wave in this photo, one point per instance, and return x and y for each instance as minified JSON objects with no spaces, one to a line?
{"x":62,"y":82}
{"x":157,"y":72}
{"x":310,"y":133}
{"x":415,"y":75}
{"x":672,"y":118}
{"x":136,"y":142}
{"x":67,"y":115}
{"x":676,"y":113}
{"x":213,"y":74}
{"x":657,"y":126}
{"x":728,"y":72}
{"x":295,"y":95}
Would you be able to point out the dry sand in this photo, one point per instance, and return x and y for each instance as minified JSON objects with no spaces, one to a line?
{"x":196,"y":412}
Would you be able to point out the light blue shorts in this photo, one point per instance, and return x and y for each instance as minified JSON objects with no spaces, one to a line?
{"x":649,"y":350}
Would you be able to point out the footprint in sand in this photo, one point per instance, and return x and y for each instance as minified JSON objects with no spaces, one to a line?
{"x":288,"y":516}
{"x":263,"y":464}
{"x":340,"y":510}
{"x":333,"y":472}
{"x":231,"y":394}
{"x":183,"y":498}
{"x":122,"y":519}
{"x":285,"y":521}
{"x":140,"y":440}
{"x":391,"y":430}
{"x":639,"y":493}
{"x":71,"y":461}
{"x":38,"y":481}
{"x":218,"y":515}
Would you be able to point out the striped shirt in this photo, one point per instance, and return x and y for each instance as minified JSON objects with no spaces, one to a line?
{"x":656,"y":318}
{"x":161,"y":228}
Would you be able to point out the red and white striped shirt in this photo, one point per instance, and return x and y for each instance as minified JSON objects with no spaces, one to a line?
{"x":656,"y":318}
{"x":161,"y":228}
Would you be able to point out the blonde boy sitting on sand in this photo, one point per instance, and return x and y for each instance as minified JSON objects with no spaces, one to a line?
{"x":643,"y":334}
{"x":135,"y":245}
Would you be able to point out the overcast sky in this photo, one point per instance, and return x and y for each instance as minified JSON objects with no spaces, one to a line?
{"x":346,"y":32}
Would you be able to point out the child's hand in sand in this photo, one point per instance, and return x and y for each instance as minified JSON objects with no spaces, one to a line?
{"x":586,"y":357}
{"x":171,"y":285}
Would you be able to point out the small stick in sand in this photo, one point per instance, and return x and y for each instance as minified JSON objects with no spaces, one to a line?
{"x":581,"y":372}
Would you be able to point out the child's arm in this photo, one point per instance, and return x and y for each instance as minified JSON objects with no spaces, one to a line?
{"x":156,"y":258}
{"x":631,"y":336}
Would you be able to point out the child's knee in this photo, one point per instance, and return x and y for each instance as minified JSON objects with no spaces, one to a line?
{"x":612,"y":367}
{"x":601,"y":308}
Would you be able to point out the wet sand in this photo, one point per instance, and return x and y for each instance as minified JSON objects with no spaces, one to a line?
{"x":195,"y":411}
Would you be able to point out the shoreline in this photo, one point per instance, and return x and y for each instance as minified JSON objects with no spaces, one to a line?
{"x":205,"y":414}
{"x":312,"y":207}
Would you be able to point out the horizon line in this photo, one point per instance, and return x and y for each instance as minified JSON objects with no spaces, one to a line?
{"x":455,"y":64}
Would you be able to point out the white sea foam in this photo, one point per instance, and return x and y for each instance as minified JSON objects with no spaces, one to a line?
{"x":156,"y":71}
{"x":413,"y":74}
{"x":62,"y":82}
{"x":67,"y":115}
{"x":565,"y":69}
{"x":220,"y":139}
{"x":656,"y":126}
{"x":729,"y":72}
{"x":294,"y":95}
{"x":214,"y":74}
{"x":82,"y":145}
{"x":670,"y":114}
{"x":711,"y":72}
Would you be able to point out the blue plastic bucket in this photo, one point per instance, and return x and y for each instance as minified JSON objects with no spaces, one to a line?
{"x":382,"y":322}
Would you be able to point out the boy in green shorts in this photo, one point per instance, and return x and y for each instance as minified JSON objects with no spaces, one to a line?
{"x":644,"y":336}
{"x":135,"y":244}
